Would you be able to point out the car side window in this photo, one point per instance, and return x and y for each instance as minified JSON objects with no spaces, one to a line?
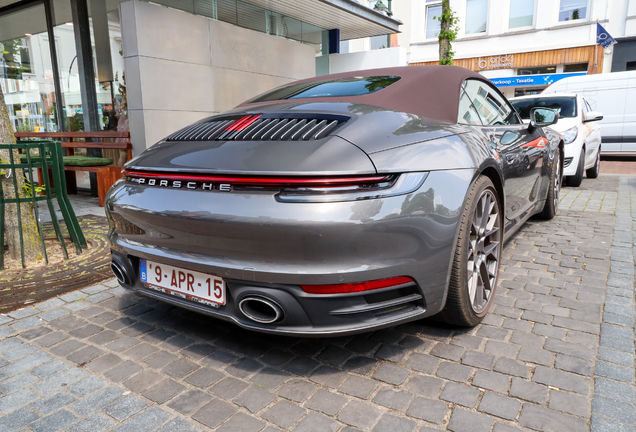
{"x":467,"y":113}
{"x":492,"y":108}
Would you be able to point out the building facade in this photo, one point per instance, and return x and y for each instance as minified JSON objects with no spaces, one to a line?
{"x":154,"y":67}
{"x":524,"y":45}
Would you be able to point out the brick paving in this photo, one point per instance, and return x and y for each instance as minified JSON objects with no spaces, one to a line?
{"x":556,"y":352}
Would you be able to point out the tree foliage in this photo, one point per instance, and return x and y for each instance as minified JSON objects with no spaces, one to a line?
{"x":447,"y":34}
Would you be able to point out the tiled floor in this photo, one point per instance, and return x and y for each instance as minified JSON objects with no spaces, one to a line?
{"x":83,"y":204}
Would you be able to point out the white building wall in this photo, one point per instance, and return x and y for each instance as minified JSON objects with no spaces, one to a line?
{"x":630,"y":25}
{"x":546,"y":33}
{"x":380,"y":58}
{"x":182,"y":67}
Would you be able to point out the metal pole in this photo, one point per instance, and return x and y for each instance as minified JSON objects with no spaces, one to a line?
{"x":81,"y":27}
{"x":595,"y":57}
{"x":59,"y":103}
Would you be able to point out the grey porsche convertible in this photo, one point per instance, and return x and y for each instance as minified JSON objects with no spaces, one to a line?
{"x":338,"y":204}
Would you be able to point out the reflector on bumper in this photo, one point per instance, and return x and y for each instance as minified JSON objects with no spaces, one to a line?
{"x":357,"y":286}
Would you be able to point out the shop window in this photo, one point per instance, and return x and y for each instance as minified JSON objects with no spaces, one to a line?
{"x":570,"y":10}
{"x":25,"y":71}
{"x":521,"y":13}
{"x":541,"y":70}
{"x":476,"y":16}
{"x":433,"y":12}
{"x":577,"y":67}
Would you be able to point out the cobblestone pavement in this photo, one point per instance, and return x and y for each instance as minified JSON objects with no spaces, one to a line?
{"x":556,"y":353}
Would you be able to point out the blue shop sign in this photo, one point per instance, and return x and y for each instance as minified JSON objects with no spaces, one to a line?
{"x":532,"y":80}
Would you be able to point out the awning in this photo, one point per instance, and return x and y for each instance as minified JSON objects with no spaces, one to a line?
{"x":353,"y":19}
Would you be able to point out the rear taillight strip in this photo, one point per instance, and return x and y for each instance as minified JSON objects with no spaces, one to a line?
{"x":393,"y":185}
{"x":261,"y":181}
{"x":356,"y":287}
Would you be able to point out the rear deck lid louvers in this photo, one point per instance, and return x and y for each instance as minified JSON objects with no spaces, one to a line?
{"x":257,"y":127}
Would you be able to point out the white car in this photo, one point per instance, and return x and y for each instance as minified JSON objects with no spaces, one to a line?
{"x":579,"y":127}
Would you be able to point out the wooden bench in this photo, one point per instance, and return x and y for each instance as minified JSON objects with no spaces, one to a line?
{"x":107,"y":175}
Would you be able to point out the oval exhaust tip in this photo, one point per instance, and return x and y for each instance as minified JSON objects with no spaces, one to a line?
{"x":260,"y":310}
{"x":119,"y":272}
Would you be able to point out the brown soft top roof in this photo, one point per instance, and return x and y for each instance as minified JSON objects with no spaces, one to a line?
{"x":427,"y":91}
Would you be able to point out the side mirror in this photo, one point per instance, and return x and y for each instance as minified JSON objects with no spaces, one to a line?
{"x":593,"y":116}
{"x":542,"y":117}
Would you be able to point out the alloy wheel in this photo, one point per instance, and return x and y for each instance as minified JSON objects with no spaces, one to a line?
{"x":484,"y":251}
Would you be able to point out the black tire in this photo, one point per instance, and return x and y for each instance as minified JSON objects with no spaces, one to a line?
{"x":478,"y":247}
{"x":593,"y":172}
{"x":577,"y":178}
{"x":551,"y":205}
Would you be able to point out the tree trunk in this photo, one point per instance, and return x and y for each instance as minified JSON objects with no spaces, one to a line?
{"x":30,"y":232}
{"x":445,"y":55}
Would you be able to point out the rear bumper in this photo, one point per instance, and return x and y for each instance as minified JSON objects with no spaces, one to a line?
{"x":307,"y":314}
{"x":265,"y":248}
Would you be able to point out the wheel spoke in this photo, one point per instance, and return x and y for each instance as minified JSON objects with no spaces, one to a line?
{"x":485,"y":278}
{"x":492,"y":269}
{"x":478,"y":299}
{"x":491,"y":231}
{"x":489,"y":249}
{"x":485,"y":215}
{"x":472,"y":284}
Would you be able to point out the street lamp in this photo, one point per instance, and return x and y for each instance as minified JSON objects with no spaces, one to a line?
{"x":380,"y":7}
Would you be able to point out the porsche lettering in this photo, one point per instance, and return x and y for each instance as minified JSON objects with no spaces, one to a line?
{"x":178,"y":184}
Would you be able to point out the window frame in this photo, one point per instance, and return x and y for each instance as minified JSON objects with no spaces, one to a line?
{"x":498,"y":93}
{"x":588,"y":9}
{"x":466,"y":19}
{"x":428,"y":5}
{"x":534,"y":17}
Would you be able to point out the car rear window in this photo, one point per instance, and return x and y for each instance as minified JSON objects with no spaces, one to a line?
{"x":566,"y":106}
{"x":351,"y":86}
